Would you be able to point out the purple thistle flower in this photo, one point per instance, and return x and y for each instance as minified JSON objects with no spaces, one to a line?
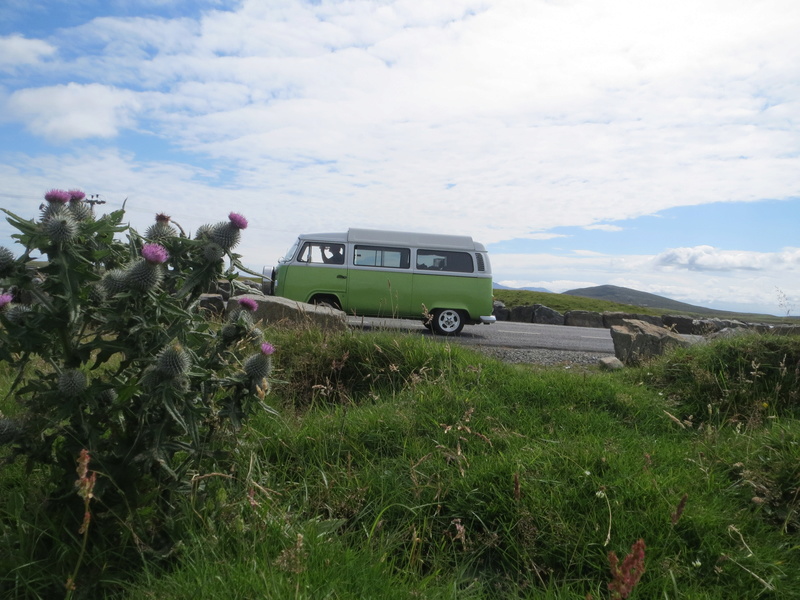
{"x":248,"y":304}
{"x":5,"y":299}
{"x":238,"y":220}
{"x":76,"y":195}
{"x":267,"y":348}
{"x":155,"y":254}
{"x":57,"y":196}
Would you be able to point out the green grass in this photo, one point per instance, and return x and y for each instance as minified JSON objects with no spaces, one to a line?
{"x":401,"y":467}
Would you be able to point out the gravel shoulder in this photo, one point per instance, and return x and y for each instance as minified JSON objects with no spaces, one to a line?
{"x":541,"y":356}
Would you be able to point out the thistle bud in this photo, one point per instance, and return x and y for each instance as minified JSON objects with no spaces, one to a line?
{"x":6,"y":261}
{"x":213,"y":252}
{"x":173,"y":361}
{"x":227,"y":235}
{"x":143,"y":276}
{"x":80,"y":211}
{"x":72,"y":383}
{"x":114,"y":281}
{"x":259,"y":366}
{"x":151,"y":377}
{"x":203,"y":232}
{"x":18,"y":313}
{"x":61,"y":228}
{"x":161,"y":230}
{"x":146,"y":274}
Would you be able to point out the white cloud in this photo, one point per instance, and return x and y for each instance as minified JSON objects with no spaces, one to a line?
{"x":16,"y":50}
{"x":603,"y":227}
{"x":73,"y":111}
{"x":708,"y":258}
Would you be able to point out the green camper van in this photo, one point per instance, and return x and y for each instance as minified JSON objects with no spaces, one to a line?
{"x":443,"y":280}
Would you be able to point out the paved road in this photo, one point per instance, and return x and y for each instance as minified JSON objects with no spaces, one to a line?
{"x":507,"y":334}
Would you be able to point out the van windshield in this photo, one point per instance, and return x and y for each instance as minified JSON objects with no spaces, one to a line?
{"x":290,"y":254}
{"x":322,"y":253}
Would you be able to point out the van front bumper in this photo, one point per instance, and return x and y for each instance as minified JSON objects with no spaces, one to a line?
{"x":488,"y":320}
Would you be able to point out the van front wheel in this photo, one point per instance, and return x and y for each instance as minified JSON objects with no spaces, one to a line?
{"x":447,"y":321}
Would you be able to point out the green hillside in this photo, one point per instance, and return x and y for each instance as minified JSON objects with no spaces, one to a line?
{"x":604,"y":299}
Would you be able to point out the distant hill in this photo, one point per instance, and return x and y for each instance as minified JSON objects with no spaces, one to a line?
{"x":497,"y":286}
{"x":622,"y":295}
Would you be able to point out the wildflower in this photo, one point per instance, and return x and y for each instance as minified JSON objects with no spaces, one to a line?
{"x":76,"y":195}
{"x":5,"y":299}
{"x":258,"y":366}
{"x":240,"y":319}
{"x":626,"y":575}
{"x":227,"y":235}
{"x":248,"y":304}
{"x":155,"y":254}
{"x":237,"y":220}
{"x":146,"y":274}
{"x":58,"y":196}
{"x":161,"y":230}
{"x":56,"y":201}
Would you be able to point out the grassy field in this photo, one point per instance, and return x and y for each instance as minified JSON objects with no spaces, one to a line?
{"x":403,"y":467}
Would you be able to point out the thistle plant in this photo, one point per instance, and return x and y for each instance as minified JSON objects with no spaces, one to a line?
{"x":115,"y":359}
{"x":161,"y":230}
{"x":227,"y":234}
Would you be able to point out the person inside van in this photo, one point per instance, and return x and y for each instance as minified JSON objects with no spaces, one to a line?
{"x":333,"y":255}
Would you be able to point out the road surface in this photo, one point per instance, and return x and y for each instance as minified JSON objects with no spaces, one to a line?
{"x":508,"y":334}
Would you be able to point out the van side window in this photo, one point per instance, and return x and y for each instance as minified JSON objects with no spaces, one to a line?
{"x":445,"y":260}
{"x":381,"y":256}
{"x":319,"y":253}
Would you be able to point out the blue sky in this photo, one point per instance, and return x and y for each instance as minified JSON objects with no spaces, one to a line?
{"x":586,"y":142}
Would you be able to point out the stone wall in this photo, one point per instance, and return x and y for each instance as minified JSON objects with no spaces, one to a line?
{"x":685,"y":325}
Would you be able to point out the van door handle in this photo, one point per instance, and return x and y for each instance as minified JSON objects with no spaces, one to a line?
{"x":341,"y":277}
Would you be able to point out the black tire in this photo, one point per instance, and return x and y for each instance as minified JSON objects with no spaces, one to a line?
{"x":447,"y":321}
{"x":328,"y":301}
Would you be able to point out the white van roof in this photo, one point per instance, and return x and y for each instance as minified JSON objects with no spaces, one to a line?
{"x":401,"y":238}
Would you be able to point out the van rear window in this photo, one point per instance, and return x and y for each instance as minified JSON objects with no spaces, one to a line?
{"x":381,"y":256}
{"x":444,"y":260}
